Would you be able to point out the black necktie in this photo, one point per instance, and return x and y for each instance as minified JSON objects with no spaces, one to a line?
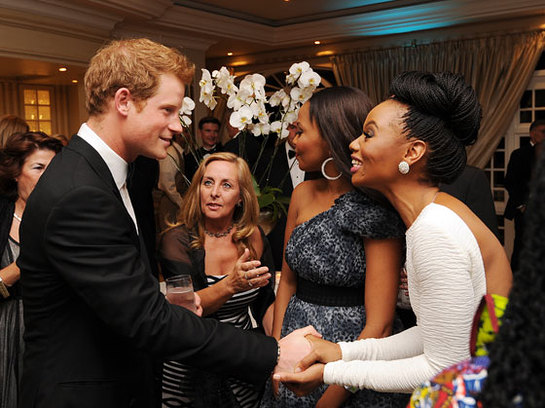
{"x":291,"y":153}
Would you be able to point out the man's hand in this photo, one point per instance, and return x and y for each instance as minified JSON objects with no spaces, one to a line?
{"x":293,"y":348}
{"x":302,"y":383}
{"x":198,"y":306}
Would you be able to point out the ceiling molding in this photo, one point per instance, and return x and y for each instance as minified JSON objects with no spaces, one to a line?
{"x":212,"y":25}
{"x":376,"y":23}
{"x":60,"y":14}
{"x":168,"y":37}
{"x":146,"y":9}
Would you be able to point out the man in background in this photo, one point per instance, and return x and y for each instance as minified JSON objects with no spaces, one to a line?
{"x":517,"y":182}
{"x":209,"y":132}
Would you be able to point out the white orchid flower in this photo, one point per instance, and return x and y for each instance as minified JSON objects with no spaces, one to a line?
{"x":296,"y":70}
{"x":229,"y":88}
{"x":241,"y":118}
{"x":206,"y":79}
{"x":276,"y":98}
{"x":207,"y":97}
{"x":186,"y":120}
{"x":256,"y":84}
{"x":281,"y":128}
{"x":240,"y":98}
{"x":225,"y":81}
{"x":300,"y":95}
{"x":187,"y":106}
{"x":309,"y":79}
{"x":291,"y":116}
{"x":185,"y":112}
{"x":260,"y":129}
{"x":299,"y":68}
{"x":259,"y":111}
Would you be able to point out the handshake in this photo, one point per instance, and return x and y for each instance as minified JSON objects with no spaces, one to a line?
{"x":303,"y":354}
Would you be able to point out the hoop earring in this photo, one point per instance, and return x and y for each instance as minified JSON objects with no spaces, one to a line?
{"x":403,"y":167}
{"x":323,"y":170}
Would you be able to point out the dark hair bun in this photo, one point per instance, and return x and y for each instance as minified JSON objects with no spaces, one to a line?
{"x":443,"y":95}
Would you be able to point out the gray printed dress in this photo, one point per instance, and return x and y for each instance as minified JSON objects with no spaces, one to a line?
{"x":328,"y":250}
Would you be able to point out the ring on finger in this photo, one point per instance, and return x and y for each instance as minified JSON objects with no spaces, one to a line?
{"x":246,"y":275}
{"x":250,"y":283}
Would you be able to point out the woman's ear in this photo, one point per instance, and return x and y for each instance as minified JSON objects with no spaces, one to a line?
{"x":415,"y":151}
{"x":122,"y":101}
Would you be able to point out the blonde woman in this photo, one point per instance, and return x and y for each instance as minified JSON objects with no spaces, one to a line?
{"x":217,"y":242}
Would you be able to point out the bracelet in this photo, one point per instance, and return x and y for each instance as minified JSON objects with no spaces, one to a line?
{"x":5,"y":293}
{"x":278,"y":355}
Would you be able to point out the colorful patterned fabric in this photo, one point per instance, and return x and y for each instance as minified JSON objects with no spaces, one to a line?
{"x":487,"y":327}
{"x":458,"y":386}
{"x":455,"y":386}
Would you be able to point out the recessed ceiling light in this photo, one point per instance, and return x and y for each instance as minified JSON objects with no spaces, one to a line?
{"x":286,"y":1}
{"x":74,"y":81}
{"x":324,"y":53}
{"x":317,"y":42}
{"x":229,"y":54}
{"x":63,"y":69}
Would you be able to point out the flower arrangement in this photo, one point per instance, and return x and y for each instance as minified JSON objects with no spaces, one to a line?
{"x":255,"y":113}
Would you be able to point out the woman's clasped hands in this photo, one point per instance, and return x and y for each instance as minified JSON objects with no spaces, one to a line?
{"x":247,"y":274}
{"x":309,"y":372}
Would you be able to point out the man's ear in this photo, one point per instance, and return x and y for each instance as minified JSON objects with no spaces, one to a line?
{"x":122,"y":101}
{"x":415,"y":151}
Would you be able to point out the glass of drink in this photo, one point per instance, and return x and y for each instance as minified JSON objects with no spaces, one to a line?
{"x":180,"y":291}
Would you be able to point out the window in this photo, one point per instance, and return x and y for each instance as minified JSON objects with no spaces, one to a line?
{"x":37,"y":108}
{"x":495,"y":171}
{"x":532,"y":106}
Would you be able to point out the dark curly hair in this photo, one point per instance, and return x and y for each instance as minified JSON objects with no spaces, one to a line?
{"x":339,"y":112}
{"x":517,"y":357}
{"x":18,"y":147}
{"x":444,"y":112}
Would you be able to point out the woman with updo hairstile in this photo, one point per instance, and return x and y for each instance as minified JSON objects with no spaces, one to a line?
{"x":343,"y":247}
{"x":411,"y":143}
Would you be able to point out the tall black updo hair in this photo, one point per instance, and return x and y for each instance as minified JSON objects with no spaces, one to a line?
{"x":445,"y":113}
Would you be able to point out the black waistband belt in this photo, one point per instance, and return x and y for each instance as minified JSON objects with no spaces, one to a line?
{"x":327,"y":295}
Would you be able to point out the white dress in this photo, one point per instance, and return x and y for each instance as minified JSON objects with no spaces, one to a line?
{"x":446,"y":282}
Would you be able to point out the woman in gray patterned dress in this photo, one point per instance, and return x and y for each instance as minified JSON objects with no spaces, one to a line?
{"x":343,"y":258}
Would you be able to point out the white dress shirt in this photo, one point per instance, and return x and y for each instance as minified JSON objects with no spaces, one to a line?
{"x":117,"y":166}
{"x":297,"y":175}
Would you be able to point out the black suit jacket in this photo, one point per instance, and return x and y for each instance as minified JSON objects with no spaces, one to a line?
{"x":191,"y":165}
{"x":278,"y":177}
{"x":94,"y":315}
{"x":473,"y":189}
{"x":517,"y":178}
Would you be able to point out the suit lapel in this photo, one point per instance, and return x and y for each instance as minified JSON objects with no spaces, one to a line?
{"x":80,"y":146}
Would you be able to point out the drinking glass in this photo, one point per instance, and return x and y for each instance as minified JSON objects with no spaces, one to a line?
{"x":180,"y":291}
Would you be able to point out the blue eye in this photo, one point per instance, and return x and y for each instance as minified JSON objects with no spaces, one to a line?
{"x":227,"y":185}
{"x":207,"y":183}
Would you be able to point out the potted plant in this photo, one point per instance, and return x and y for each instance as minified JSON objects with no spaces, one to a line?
{"x":255,"y":114}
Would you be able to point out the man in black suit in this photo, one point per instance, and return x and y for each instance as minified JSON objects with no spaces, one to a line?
{"x":94,"y":315}
{"x":209,"y":131}
{"x":286,"y":175}
{"x":517,"y":183}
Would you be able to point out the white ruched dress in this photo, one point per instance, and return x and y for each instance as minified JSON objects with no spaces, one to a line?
{"x":446,"y":282}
